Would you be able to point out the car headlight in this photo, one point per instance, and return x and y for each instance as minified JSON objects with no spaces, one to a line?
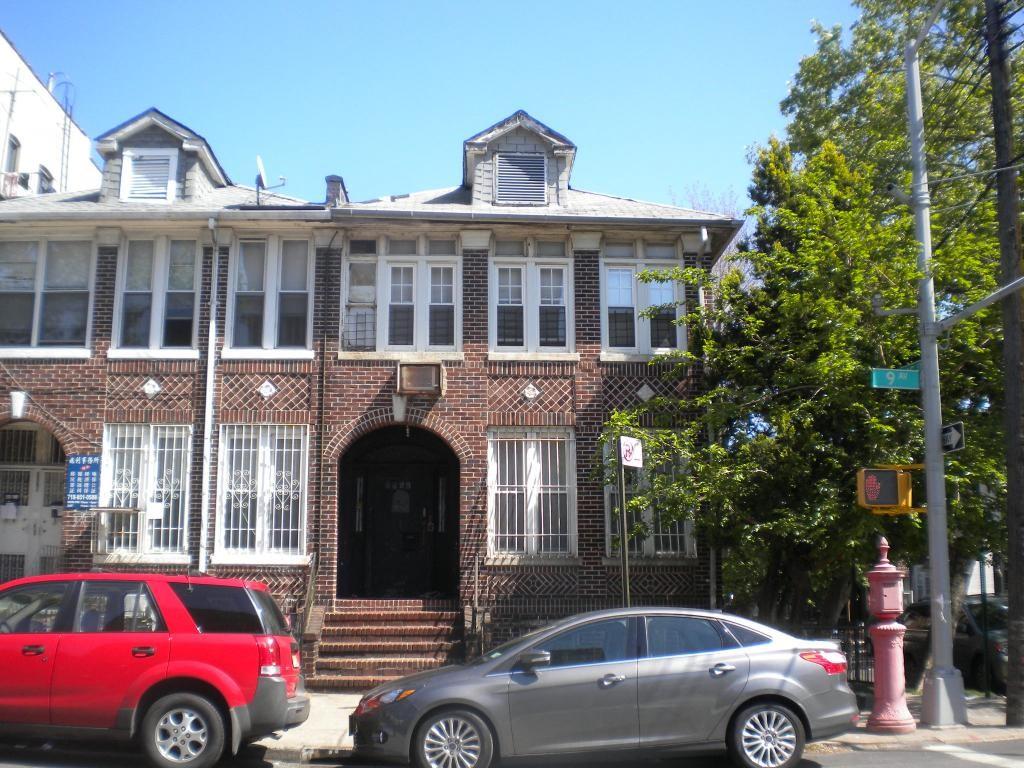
{"x":370,"y":703}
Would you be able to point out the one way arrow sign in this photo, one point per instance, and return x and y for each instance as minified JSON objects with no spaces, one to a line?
{"x":953,"y":437}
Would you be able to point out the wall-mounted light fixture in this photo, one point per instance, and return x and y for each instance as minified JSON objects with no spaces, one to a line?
{"x":19,"y":404}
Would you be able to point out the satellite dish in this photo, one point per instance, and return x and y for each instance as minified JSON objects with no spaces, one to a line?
{"x":261,"y":174}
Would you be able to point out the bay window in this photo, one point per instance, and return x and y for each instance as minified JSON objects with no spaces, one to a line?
{"x":271,"y":295}
{"x":262,"y":489}
{"x":45,"y":289}
{"x":531,"y":482}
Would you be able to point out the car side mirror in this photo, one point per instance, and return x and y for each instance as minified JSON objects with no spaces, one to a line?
{"x":530,"y":660}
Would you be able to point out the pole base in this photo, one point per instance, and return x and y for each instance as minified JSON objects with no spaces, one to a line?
{"x":890,"y":726}
{"x":942,"y":700}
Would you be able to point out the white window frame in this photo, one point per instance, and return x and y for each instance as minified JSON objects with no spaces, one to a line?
{"x":271,"y":291}
{"x":641,"y":301}
{"x":532,"y":478}
{"x":264,"y":488}
{"x":34,"y":349}
{"x":159,"y":290}
{"x":497,"y":198}
{"x":647,"y":549}
{"x":531,"y":264}
{"x":361,"y":258}
{"x":128,"y":156}
{"x":146,"y":485}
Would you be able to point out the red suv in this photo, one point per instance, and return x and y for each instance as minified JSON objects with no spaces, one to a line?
{"x":188,"y":666}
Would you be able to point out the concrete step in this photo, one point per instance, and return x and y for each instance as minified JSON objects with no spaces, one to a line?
{"x":363,"y":616}
{"x":377,"y":665}
{"x":386,"y":648}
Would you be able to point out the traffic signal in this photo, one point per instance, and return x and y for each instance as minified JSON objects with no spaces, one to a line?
{"x":884,"y":489}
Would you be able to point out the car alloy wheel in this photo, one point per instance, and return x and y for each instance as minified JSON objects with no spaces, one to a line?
{"x":452,"y":742}
{"x":769,"y":738}
{"x":181,"y":735}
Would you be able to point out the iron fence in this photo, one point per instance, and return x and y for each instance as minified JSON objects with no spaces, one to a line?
{"x":856,"y":644}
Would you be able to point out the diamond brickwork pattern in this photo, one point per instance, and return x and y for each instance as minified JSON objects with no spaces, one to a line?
{"x":125,"y":392}
{"x":241,"y":392}
{"x":533,"y":581}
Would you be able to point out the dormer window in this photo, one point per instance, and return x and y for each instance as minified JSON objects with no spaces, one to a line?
{"x":149,"y":174}
{"x":521,"y":179}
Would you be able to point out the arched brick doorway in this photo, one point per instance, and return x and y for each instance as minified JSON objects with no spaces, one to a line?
{"x":398,"y":516}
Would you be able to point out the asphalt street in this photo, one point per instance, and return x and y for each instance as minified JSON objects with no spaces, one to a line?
{"x":999,"y":754}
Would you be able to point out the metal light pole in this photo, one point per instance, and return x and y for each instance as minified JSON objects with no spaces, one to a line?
{"x":943,"y":698}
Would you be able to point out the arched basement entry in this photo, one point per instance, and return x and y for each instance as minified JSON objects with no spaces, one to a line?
{"x":31,"y":500}
{"x":398,"y":516}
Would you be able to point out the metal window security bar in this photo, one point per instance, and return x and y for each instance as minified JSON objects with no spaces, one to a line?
{"x":145,"y":488}
{"x":264,"y":482}
{"x":360,"y":332}
{"x":532,"y":488}
{"x":666,"y":539}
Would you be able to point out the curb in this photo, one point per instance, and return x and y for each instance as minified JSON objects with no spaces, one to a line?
{"x":918,"y":739}
{"x":295,"y":755}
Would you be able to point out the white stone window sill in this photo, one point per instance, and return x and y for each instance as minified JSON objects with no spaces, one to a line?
{"x":647,"y":560}
{"x":39,"y":353}
{"x":266,"y":354}
{"x":135,"y":558}
{"x":257,"y":558}
{"x":531,"y":560}
{"x":405,"y":357}
{"x":608,"y":356}
{"x":534,"y":357}
{"x":153,"y":354}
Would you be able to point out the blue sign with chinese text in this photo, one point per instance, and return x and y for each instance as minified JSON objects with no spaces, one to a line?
{"x":82,"y":489}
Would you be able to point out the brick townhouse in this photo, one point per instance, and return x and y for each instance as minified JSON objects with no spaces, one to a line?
{"x":395,"y":421}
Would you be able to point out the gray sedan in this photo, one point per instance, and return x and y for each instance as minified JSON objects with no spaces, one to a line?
{"x":661,"y":679}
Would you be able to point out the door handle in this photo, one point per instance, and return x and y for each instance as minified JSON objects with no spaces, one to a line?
{"x":720,"y":669}
{"x":141,"y":651}
{"x":33,"y":650}
{"x":609,"y":680}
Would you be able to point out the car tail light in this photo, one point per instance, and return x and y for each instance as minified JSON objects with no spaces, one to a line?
{"x":833,"y":662}
{"x":296,"y":656}
{"x":270,"y":656}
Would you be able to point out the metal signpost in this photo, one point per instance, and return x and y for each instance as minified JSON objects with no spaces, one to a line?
{"x":631,"y":454}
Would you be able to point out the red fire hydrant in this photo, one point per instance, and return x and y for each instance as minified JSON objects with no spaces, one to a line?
{"x":885,"y":601}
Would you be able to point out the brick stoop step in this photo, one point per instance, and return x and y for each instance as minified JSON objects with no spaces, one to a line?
{"x":364,"y":643}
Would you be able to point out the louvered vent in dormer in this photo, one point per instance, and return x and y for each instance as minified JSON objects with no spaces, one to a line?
{"x":148,"y":175}
{"x":521,"y":179}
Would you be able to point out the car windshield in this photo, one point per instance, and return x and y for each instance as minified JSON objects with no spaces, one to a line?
{"x":997,"y":615}
{"x":502,"y":650}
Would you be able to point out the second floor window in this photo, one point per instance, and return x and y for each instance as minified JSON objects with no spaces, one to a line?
{"x":625,"y":298}
{"x":530,"y":297}
{"x":405,"y":300}
{"x":158,"y":285}
{"x":271,"y":293}
{"x":44,"y":292}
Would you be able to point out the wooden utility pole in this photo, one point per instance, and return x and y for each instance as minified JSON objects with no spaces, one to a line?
{"x":1008,"y":218}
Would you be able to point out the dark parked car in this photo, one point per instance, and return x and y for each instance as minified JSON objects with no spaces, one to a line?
{"x":667,"y":679}
{"x":187,"y":667}
{"x":968,"y":642}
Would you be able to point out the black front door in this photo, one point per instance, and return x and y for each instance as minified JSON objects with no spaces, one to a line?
{"x":399,"y":517}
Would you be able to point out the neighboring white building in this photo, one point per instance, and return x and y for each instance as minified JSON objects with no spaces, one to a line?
{"x":42,"y":149}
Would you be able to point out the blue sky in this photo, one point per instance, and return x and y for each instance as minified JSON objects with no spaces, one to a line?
{"x":659,"y":97}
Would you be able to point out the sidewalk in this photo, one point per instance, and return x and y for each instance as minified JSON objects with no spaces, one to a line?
{"x":986,"y":718}
{"x":325,"y":734}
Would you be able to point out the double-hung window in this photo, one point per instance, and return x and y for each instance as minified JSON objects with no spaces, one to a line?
{"x":532,"y":493}
{"x":407,"y":300}
{"x":271,"y":294}
{"x":45,"y":288}
{"x":158,"y":287}
{"x":262,"y":489}
{"x":144,"y":488}
{"x":664,"y":539}
{"x":626,"y":301}
{"x":530,"y":308}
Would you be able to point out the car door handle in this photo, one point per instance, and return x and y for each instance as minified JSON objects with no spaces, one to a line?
{"x":609,"y":680}
{"x":33,"y":650}
{"x":720,"y":669}
{"x":141,"y":651}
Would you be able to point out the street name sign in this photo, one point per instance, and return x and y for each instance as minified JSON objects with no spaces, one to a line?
{"x":953,"y":437}
{"x":895,"y":378}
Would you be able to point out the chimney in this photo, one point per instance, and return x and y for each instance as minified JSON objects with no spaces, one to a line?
{"x":336,"y":192}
